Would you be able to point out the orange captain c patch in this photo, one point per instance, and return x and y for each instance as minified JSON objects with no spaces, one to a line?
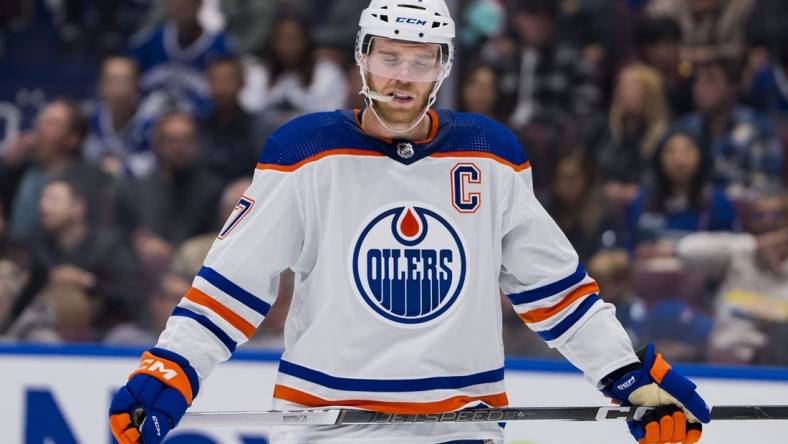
{"x":169,"y":373}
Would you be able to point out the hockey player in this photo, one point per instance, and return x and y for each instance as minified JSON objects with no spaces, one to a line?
{"x":401,"y":224}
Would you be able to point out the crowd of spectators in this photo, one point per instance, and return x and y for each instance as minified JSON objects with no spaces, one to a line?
{"x":657,"y":131}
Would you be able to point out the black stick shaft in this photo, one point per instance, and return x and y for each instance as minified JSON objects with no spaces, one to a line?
{"x":730,"y":412}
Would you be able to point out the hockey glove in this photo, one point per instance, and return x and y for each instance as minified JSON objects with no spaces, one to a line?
{"x":154,"y":399}
{"x":679,"y":408}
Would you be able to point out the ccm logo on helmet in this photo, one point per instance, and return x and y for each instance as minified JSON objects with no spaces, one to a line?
{"x":408,"y":264}
{"x":411,"y":21}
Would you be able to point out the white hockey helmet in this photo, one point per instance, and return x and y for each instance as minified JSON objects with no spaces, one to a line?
{"x":418,"y":21}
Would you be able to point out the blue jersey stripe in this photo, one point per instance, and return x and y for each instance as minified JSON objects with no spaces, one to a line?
{"x":191,"y":374}
{"x":569,"y":321}
{"x":388,"y":385}
{"x":208,"y":324}
{"x":550,"y":289}
{"x":236,"y":292}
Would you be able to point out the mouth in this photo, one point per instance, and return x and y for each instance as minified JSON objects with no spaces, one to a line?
{"x":400,"y":97}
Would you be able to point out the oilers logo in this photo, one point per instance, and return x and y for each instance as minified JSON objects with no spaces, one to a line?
{"x":408,"y":264}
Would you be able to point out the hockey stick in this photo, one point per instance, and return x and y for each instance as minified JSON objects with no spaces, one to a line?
{"x":350,"y":416}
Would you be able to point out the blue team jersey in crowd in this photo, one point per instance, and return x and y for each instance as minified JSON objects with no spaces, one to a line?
{"x":173,"y":76}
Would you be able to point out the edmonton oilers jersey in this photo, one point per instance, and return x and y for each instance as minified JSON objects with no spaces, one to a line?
{"x":400,"y":251}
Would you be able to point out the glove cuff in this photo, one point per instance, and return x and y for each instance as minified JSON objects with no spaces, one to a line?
{"x":171,"y":370}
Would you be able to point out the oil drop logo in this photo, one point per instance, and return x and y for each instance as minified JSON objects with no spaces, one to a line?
{"x":408,"y":263}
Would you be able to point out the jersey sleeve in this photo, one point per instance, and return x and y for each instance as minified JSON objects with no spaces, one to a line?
{"x":238,"y":282}
{"x":551,"y":291}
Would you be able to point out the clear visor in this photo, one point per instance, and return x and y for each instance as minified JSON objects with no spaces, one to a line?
{"x":404,"y":61}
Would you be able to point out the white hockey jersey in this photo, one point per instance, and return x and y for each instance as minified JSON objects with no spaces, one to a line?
{"x":399,"y":251}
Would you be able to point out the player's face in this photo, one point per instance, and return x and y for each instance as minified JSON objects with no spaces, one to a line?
{"x":406,"y":71}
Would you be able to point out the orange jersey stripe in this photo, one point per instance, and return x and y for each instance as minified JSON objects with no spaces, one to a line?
{"x":316,"y":157}
{"x":446,"y":405}
{"x":198,"y":297}
{"x":540,"y":314}
{"x":518,"y":168}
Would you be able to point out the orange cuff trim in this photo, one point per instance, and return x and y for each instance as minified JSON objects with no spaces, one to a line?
{"x":316,"y":157}
{"x":541,"y":314}
{"x":480,"y":154}
{"x":200,"y":298}
{"x":168,"y":372}
{"x":659,"y":369}
{"x":446,"y":405}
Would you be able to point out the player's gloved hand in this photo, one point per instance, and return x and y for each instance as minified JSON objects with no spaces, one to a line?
{"x":154,"y":399}
{"x":679,"y":408}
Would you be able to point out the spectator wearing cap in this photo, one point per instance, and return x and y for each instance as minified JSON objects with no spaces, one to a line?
{"x":120,"y":130}
{"x":745,"y":151}
{"x":681,"y":199}
{"x":752,"y":271}
{"x":658,"y":42}
{"x":54,"y":146}
{"x":72,"y":251}
{"x":231,"y":138}
{"x":173,"y":58}
{"x":177,"y":201}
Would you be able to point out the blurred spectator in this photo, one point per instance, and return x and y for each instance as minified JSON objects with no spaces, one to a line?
{"x":12,"y":279}
{"x":677,"y":330}
{"x":577,"y":205}
{"x":612,"y":270}
{"x":481,"y":20}
{"x":72,"y":251}
{"x":74,"y":20}
{"x":769,"y":91}
{"x":61,"y":312}
{"x":752,"y":268}
{"x":174,"y":203}
{"x":119,"y":139}
{"x":146,"y":329}
{"x":292,"y":79}
{"x":681,"y":199}
{"x":479,"y":91}
{"x":173,"y":58}
{"x":658,"y":40}
{"x":191,"y":253}
{"x":549,"y":78}
{"x":638,"y":119}
{"x":249,"y":22}
{"x":354,"y":99}
{"x":231,"y":138}
{"x":710,"y":28}
{"x":745,"y":150}
{"x":55,"y":145}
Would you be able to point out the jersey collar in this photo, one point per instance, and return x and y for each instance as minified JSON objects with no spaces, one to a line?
{"x":439,"y":129}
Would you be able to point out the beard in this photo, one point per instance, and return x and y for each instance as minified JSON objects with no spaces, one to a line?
{"x":401,"y":116}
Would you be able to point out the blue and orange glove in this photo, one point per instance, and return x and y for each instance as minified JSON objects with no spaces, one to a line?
{"x":679,"y":409}
{"x":154,"y":399}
